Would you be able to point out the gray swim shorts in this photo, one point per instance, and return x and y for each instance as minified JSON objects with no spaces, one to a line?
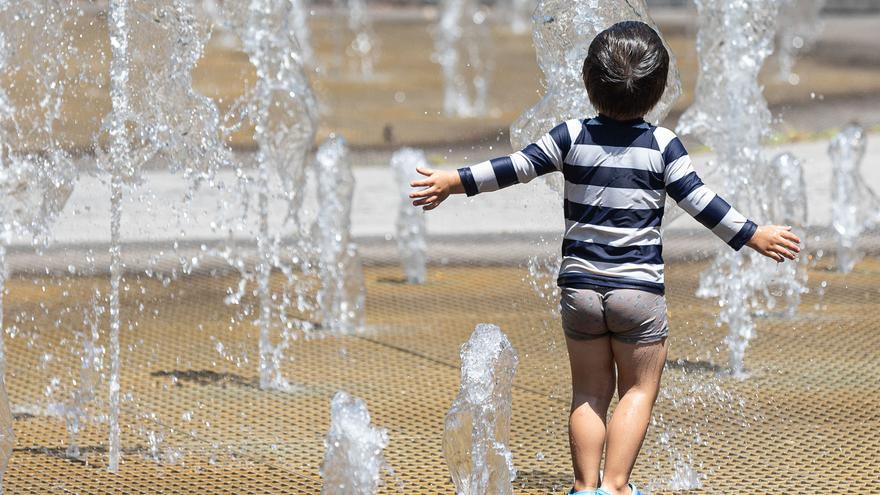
{"x":629,"y":315}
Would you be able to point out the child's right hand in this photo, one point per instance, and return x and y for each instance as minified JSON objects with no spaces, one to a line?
{"x":776,"y":242}
{"x":438,"y":185}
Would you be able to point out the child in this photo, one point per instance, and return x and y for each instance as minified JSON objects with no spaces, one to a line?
{"x":618,"y":170}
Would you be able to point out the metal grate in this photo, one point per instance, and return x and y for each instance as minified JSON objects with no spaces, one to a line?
{"x":805,"y":421}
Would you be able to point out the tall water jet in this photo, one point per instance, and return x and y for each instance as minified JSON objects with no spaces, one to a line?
{"x":477,"y":428}
{"x":364,"y":45}
{"x":120,"y":166}
{"x":730,"y":115}
{"x":353,"y":458}
{"x":341,"y":296}
{"x":562,"y":32}
{"x":151,"y":61}
{"x":854,"y":206}
{"x":301,"y":11}
{"x":797,"y":34}
{"x":461,"y":43}
{"x":411,"y":230}
{"x":788,"y":206}
{"x":283,"y":111}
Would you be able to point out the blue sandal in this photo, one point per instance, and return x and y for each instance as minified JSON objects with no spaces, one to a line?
{"x":633,"y":490}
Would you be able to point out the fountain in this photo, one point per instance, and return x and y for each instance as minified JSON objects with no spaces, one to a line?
{"x":341,"y":296}
{"x":797,"y":34}
{"x":562,"y":35}
{"x":353,"y":458}
{"x":477,"y":428}
{"x":410,"y":221}
{"x":787,"y":206}
{"x":282,"y":109}
{"x":854,"y":205}
{"x":461,"y":43}
{"x":182,"y":133}
{"x":730,"y":115}
{"x":34,"y":187}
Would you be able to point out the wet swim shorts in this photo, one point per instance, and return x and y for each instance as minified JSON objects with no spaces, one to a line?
{"x":629,"y":315}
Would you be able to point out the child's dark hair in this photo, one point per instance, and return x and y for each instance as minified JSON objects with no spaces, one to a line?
{"x":625,"y":70}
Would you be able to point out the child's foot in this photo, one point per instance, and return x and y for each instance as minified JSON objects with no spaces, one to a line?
{"x":582,"y":492}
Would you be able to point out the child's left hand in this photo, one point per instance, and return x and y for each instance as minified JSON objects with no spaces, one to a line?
{"x":775,"y":241}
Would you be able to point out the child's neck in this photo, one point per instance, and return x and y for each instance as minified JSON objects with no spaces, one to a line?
{"x":610,"y":120}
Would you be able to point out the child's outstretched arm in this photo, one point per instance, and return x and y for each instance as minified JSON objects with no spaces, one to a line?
{"x":536,"y":159}
{"x":685,"y":187}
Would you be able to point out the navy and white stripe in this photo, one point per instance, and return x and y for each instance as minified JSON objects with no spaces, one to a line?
{"x":617,"y":176}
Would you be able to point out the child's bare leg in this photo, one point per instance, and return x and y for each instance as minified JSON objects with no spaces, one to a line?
{"x":639,"y":367}
{"x":592,"y":378}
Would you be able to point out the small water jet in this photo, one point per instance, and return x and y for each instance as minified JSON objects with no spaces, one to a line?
{"x":353,"y":458}
{"x":854,"y":206}
{"x":788,"y":206}
{"x":461,"y":45}
{"x":341,"y":296}
{"x":477,"y":428}
{"x":411,"y":230}
{"x":730,"y":115}
{"x":797,"y":34}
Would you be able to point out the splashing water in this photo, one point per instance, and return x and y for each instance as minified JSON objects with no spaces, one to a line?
{"x":797,"y":34}
{"x":353,"y":457}
{"x":477,"y":429}
{"x":730,"y":115}
{"x":542,"y":272}
{"x":34,"y":187}
{"x":341,"y":297}
{"x":91,"y":363}
{"x":461,"y":45}
{"x":411,"y":230}
{"x":562,"y":33}
{"x":787,"y":206}
{"x":854,"y":205}
{"x":183,"y":132}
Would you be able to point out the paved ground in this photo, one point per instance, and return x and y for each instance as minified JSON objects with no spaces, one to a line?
{"x":194,"y":420}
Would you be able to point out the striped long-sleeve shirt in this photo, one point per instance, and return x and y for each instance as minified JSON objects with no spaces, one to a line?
{"x":617,"y":176}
